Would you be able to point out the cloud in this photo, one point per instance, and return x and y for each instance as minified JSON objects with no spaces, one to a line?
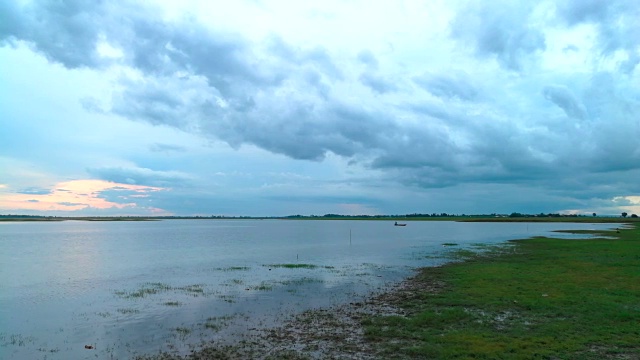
{"x":67,"y":203}
{"x":487,"y":93}
{"x":79,"y":195}
{"x":216,"y":90}
{"x":616,"y":25}
{"x":34,"y":191}
{"x":64,"y":32}
{"x":159,"y":147}
{"x":451,"y":85}
{"x":378,"y":83}
{"x":177,"y":102}
{"x":141,"y":176}
{"x":562,"y":96}
{"x":368,"y":58}
{"x":500,"y":29}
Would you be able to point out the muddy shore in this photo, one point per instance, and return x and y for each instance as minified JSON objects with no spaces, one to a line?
{"x":328,"y":333}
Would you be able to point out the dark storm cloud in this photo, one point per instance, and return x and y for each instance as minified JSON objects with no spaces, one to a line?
{"x":69,"y":33}
{"x":220,"y":95}
{"x":161,"y":101}
{"x":64,"y":31}
{"x":303,"y":130}
{"x":585,"y":186}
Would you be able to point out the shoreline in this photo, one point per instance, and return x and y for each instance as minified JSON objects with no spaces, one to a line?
{"x":350,"y":331}
{"x":460,"y":218}
{"x":336,"y":332}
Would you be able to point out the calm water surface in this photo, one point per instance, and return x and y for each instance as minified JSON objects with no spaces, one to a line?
{"x":132,"y":288}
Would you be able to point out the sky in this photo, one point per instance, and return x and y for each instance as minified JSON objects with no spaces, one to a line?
{"x":273,"y":108}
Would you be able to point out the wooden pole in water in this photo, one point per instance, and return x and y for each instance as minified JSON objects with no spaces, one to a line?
{"x":349,"y":236}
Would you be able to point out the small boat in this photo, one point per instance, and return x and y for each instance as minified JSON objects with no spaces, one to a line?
{"x":396,"y":224}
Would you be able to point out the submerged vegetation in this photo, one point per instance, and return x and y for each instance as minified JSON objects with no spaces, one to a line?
{"x":298,"y":266}
{"x":153,"y":288}
{"x":234,"y":268}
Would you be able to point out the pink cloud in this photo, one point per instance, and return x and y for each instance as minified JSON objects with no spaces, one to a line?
{"x":73,"y":195}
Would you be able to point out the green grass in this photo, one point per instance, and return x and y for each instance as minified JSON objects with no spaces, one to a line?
{"x":546,"y":299}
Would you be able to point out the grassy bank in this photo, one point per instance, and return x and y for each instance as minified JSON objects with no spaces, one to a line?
{"x":545,"y":298}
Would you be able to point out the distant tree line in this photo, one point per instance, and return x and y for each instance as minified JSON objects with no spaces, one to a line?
{"x":542,"y":215}
{"x":444,"y":214}
{"x":23,"y":216}
{"x":326,"y":216}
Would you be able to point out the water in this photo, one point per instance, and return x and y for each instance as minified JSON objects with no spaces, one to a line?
{"x":130,"y":288}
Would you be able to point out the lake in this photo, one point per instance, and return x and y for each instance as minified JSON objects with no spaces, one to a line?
{"x":140,"y":287}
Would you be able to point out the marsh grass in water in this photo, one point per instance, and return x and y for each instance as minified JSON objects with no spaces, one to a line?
{"x":474,"y":251}
{"x":301,"y":281}
{"x":263,"y":286}
{"x":234,"y":268}
{"x":183,"y":330}
{"x":146,"y":290}
{"x":15,"y":339}
{"x":545,"y":298}
{"x":227,"y":298}
{"x":216,"y":323}
{"x":298,"y":266}
{"x":153,"y":288}
{"x":126,"y":311}
{"x":172,"y":303}
{"x":194,"y":290}
{"x":237,"y":281}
